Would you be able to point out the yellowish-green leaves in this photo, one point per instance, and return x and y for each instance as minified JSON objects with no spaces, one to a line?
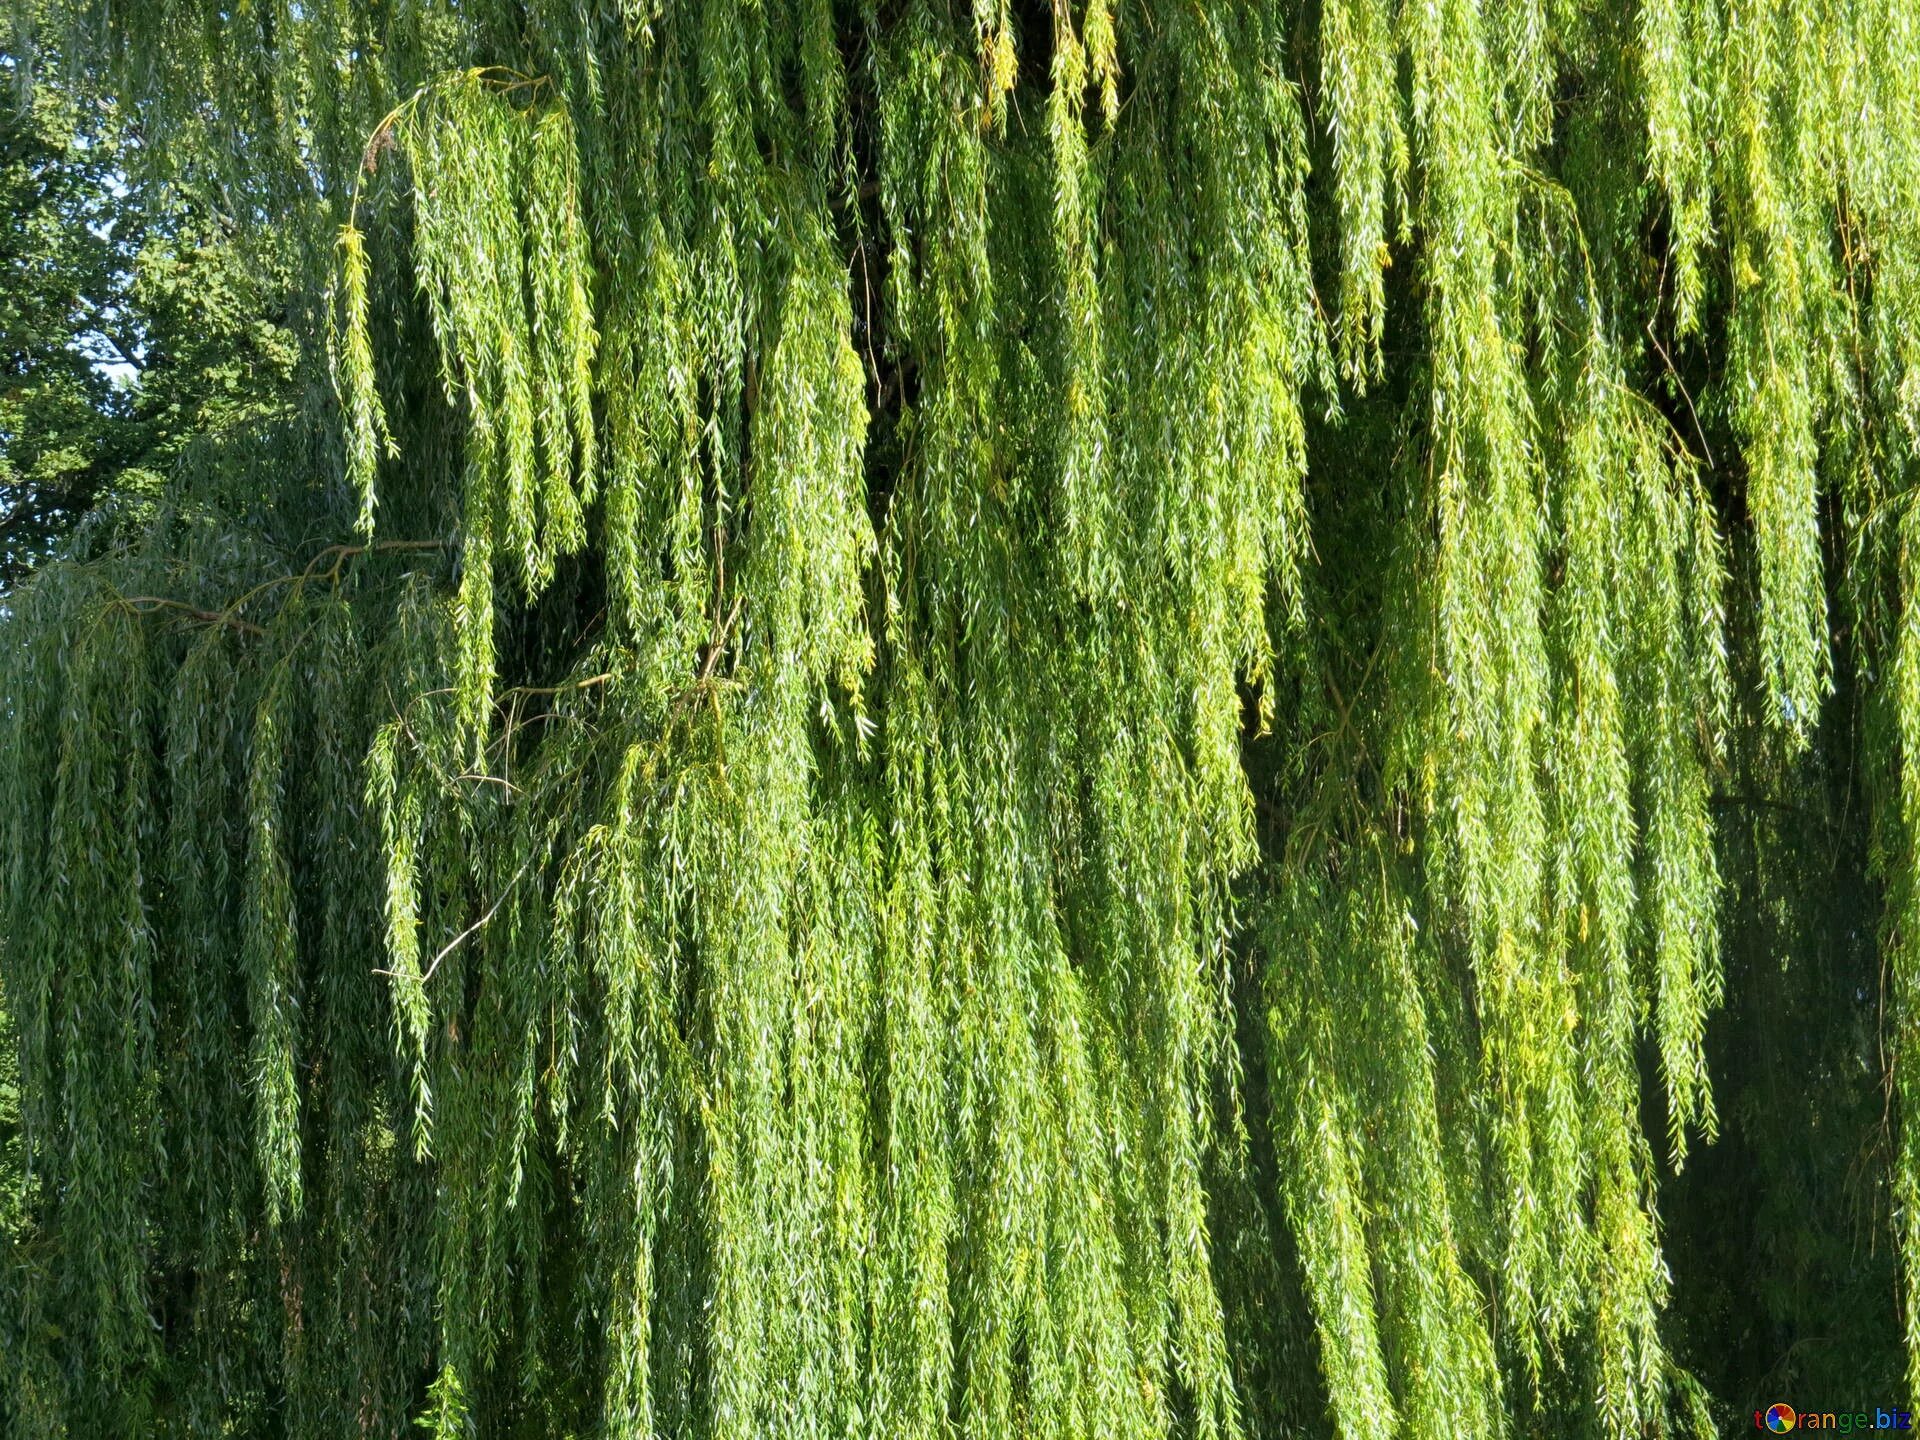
{"x":974,"y":642}
{"x":501,"y":253}
{"x":366,"y":419}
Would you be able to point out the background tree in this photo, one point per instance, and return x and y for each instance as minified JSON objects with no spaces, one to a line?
{"x":136,"y":318}
{"x":63,"y":282}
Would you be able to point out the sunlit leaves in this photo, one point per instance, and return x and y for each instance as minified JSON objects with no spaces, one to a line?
{"x":950,"y":659}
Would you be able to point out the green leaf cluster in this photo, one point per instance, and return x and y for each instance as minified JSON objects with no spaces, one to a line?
{"x":991,"y":720}
{"x":139,"y":313}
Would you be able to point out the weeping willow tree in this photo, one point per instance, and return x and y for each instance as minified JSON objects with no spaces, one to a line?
{"x":997,"y":720}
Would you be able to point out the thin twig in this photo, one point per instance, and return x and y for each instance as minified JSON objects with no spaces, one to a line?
{"x":719,"y":641}
{"x":523,"y":690}
{"x":147,"y":604}
{"x":454,"y":943}
{"x":478,"y":778}
{"x":1706,"y":450}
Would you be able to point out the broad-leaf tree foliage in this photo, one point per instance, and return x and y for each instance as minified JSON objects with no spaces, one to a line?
{"x":62,"y":281}
{"x":135,"y":317}
{"x":986,"y":720}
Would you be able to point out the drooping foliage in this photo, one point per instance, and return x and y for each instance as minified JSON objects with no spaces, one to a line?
{"x":996,"y":720}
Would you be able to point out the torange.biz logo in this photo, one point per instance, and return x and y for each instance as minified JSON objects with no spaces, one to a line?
{"x":1782,"y":1418}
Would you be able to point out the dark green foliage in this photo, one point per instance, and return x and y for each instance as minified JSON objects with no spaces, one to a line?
{"x":136,"y":316}
{"x":997,"y":721}
{"x":61,"y":276}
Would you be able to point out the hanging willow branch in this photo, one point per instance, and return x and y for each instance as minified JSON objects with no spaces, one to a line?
{"x":918,"y":481}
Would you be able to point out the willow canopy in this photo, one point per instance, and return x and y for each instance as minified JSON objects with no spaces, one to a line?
{"x":994,"y":720}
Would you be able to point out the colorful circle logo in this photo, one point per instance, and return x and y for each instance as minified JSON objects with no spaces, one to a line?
{"x":1781,"y":1419}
